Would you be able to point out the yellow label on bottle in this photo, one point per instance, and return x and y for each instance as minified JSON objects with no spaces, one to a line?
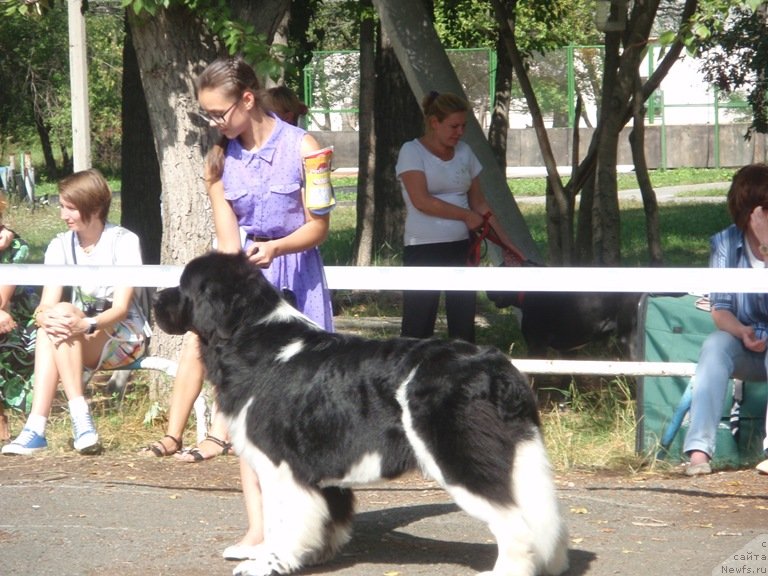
{"x":319,"y":195}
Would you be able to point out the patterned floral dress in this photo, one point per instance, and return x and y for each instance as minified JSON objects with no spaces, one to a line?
{"x":17,"y":348}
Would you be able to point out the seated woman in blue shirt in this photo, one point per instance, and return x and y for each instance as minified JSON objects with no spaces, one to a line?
{"x":737,"y":349}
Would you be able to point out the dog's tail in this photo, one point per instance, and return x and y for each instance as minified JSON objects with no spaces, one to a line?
{"x":534,"y":493}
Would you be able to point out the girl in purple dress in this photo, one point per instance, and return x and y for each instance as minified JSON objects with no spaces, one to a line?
{"x":255,"y":181}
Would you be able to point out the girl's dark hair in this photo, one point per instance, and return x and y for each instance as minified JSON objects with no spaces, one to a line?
{"x":234,"y":77}
{"x":89,"y":192}
{"x":442,"y":105}
{"x":749,"y":189}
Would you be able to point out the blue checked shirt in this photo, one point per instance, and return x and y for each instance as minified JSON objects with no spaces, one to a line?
{"x":729,"y":250}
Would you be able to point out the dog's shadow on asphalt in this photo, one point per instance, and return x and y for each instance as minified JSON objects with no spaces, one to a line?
{"x":378,"y":538}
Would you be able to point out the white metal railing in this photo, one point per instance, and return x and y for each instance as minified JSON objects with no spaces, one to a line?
{"x":529,"y":279}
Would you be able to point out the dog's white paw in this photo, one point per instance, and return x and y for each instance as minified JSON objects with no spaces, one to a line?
{"x":252,"y":568}
{"x":266,"y":565}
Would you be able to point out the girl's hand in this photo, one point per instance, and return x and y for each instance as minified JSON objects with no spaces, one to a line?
{"x":60,"y":326}
{"x":6,"y":237}
{"x":7,"y":323}
{"x":262,"y":253}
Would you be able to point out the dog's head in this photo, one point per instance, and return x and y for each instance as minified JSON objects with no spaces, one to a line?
{"x":216,"y":294}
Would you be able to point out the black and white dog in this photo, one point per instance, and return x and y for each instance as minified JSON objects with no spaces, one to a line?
{"x":313,"y":413}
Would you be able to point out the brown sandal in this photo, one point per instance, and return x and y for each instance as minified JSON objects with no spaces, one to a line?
{"x":198,"y":456}
{"x":159,"y":449}
{"x":5,"y":431}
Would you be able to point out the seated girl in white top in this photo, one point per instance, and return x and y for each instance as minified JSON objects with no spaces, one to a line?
{"x":102,"y":327}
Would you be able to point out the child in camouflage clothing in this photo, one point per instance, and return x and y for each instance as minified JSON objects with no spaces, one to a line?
{"x":17,"y":331}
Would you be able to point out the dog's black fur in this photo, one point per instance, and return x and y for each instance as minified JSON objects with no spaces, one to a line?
{"x":567,"y":321}
{"x":313,"y":413}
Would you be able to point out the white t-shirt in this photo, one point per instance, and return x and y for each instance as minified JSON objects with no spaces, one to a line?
{"x":117,"y":246}
{"x":448,"y":180}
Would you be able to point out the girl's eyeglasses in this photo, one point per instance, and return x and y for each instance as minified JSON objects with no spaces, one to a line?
{"x":219,"y":119}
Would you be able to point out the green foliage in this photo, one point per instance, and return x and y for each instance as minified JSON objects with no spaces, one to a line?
{"x":471,"y":23}
{"x":465,"y":23}
{"x":216,"y":15}
{"x":736,"y":57}
{"x":335,"y":25}
{"x":594,"y":427}
{"x":34,"y":81}
{"x":34,"y":77}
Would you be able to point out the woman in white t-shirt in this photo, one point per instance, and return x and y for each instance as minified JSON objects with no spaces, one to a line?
{"x":102,"y":327}
{"x":439,"y":179}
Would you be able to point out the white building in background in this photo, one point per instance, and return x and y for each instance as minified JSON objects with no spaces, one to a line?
{"x":331,"y":85}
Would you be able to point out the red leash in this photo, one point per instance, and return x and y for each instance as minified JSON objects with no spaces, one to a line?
{"x":512,"y":256}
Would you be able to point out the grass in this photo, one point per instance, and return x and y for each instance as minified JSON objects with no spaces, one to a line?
{"x":592,"y":428}
{"x":628,"y":181}
{"x":599,"y":423}
{"x":122,"y":425}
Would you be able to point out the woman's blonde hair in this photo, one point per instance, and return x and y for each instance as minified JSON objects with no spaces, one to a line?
{"x":234,"y":77}
{"x":89,"y":192}
{"x":440,"y":106}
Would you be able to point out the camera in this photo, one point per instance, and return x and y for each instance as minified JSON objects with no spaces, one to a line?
{"x":91,"y":309}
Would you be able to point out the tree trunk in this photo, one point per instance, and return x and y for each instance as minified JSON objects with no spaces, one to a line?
{"x":499,"y":128}
{"x":583,"y":243}
{"x":650,"y":205}
{"x":172,"y":49}
{"x":620,"y":72}
{"x":598,"y":228}
{"x":45,"y":143}
{"x":397,"y":119}
{"x":140,"y":185}
{"x":557,"y":200}
{"x":366,"y":204}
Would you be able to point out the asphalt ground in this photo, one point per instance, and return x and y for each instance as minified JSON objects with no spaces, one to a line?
{"x":131,"y":515}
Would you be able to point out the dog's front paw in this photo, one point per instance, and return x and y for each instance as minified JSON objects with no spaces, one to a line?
{"x":252,"y":568}
{"x":267,"y":565}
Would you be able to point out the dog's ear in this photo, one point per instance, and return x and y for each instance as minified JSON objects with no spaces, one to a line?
{"x":170,"y":312}
{"x":215,"y":308}
{"x":224,"y":290}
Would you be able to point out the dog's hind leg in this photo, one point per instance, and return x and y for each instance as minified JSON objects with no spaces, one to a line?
{"x":529,"y":531}
{"x":524,"y":517}
{"x":516,"y":548}
{"x":530,"y":536}
{"x":534,"y":492}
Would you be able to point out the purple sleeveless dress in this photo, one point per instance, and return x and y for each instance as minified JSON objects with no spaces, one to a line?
{"x":264,"y":190}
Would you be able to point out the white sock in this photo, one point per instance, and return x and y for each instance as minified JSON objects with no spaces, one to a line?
{"x":37,"y":424}
{"x":78,"y":408}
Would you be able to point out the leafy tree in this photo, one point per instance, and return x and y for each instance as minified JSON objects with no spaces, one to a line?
{"x":34,"y":81}
{"x":622,"y":97}
{"x":735,"y":57}
{"x":105,"y":66}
